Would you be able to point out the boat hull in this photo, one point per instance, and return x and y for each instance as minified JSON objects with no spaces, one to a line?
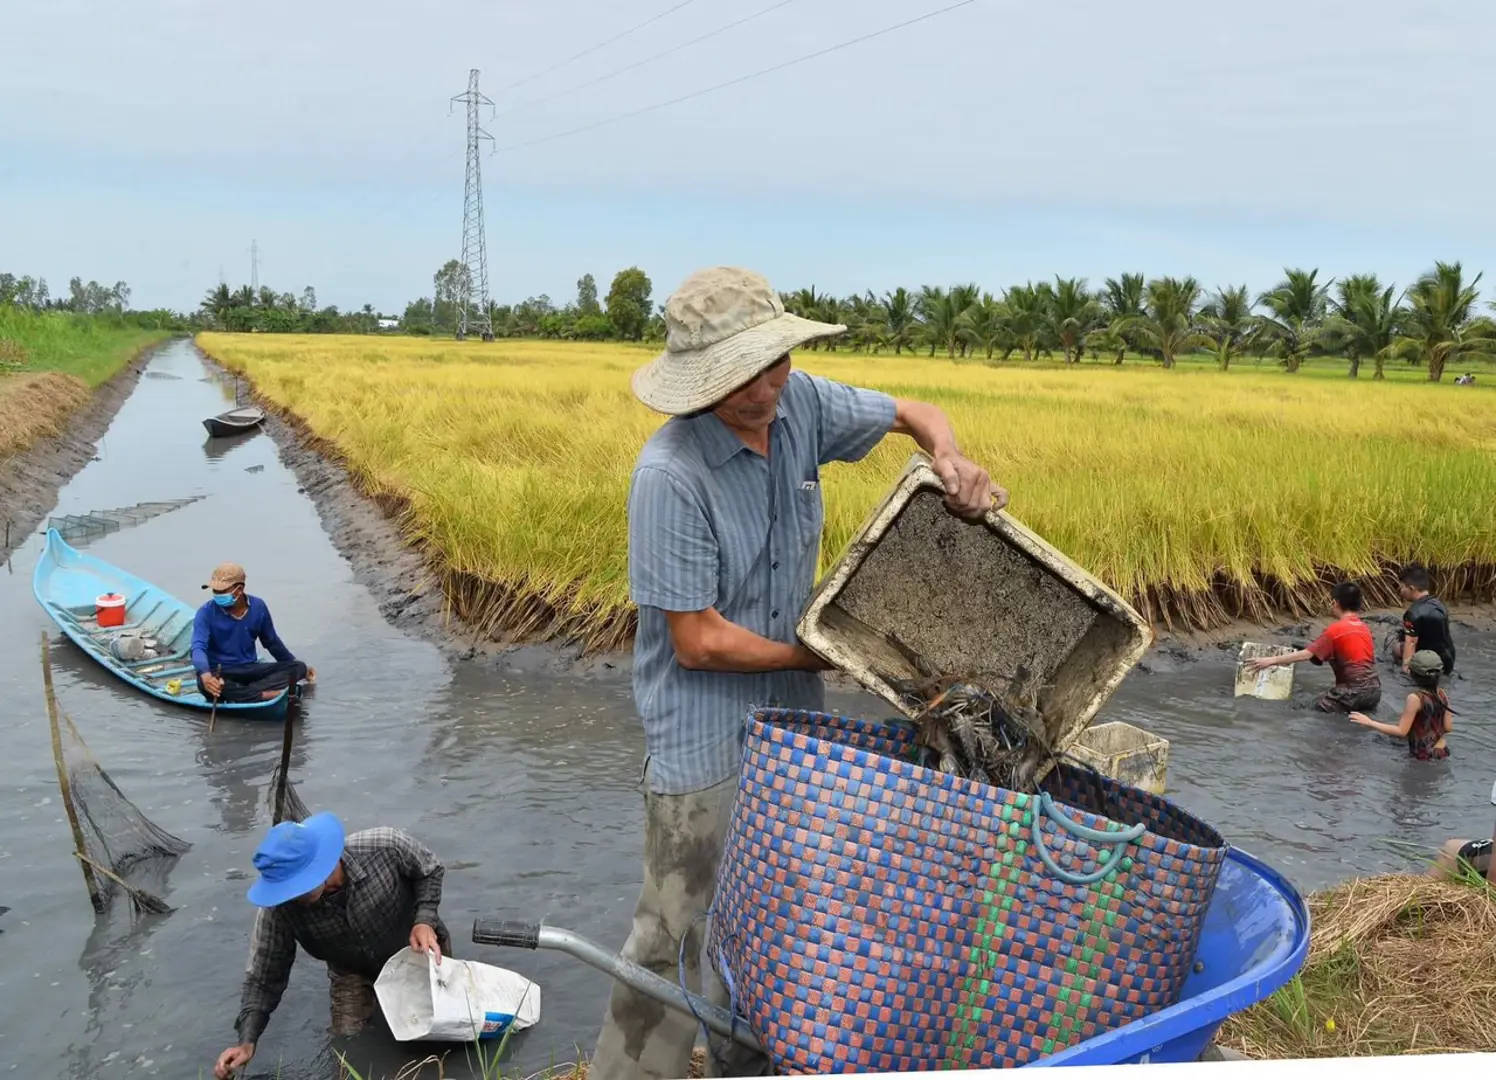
{"x":226,"y":424}
{"x":66,"y":584}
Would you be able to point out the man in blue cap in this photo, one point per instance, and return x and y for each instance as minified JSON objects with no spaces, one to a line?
{"x":351,"y":902}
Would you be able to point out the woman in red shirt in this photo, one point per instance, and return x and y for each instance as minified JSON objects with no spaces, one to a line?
{"x":1347,"y":646}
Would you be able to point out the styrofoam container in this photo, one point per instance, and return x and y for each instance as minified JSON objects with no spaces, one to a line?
{"x":1274,"y":684}
{"x":1124,"y":752}
{"x":976,"y":599}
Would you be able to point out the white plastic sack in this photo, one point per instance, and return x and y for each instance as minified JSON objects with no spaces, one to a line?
{"x":458,"y":1001}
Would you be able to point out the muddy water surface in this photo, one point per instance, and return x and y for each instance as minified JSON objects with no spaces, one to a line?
{"x":524,"y":784}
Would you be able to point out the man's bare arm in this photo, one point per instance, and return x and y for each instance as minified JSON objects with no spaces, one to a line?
{"x":705,"y":641}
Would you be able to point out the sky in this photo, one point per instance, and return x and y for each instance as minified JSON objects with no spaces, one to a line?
{"x":153,"y":141}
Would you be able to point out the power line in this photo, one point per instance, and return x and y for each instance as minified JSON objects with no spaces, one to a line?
{"x":740,"y":79}
{"x":647,"y":60}
{"x":594,"y":48}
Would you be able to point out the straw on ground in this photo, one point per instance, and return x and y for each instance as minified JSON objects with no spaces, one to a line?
{"x":1202,"y":496}
{"x":1399,"y":964}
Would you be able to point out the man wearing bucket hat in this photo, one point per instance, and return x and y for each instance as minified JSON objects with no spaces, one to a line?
{"x":224,"y":632}
{"x":351,"y":902}
{"x":725,"y":519}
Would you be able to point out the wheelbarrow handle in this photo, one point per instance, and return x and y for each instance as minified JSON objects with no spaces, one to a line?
{"x":523,"y":935}
{"x":506,"y":933}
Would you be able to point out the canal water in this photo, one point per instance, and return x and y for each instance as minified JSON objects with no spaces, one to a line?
{"x":524,"y":784}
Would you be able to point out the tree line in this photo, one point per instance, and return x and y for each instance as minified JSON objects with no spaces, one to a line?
{"x":109,"y":304}
{"x":249,"y":310}
{"x":1434,"y":323}
{"x":625,"y":314}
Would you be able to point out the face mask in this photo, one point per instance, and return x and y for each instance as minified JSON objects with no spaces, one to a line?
{"x":225,"y":600}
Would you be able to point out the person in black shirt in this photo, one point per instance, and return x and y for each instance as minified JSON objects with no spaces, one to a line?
{"x":1425,"y":623}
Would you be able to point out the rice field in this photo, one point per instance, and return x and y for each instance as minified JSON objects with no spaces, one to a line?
{"x":1202,"y":496}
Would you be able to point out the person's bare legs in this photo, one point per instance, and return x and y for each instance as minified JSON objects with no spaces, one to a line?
{"x":1447,"y":863}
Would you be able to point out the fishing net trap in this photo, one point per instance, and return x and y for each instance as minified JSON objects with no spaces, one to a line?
{"x":112,"y":840}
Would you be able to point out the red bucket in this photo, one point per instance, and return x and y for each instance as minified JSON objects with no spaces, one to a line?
{"x":110,"y":609}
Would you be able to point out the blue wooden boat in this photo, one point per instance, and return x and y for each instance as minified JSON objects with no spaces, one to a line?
{"x":66,"y":584}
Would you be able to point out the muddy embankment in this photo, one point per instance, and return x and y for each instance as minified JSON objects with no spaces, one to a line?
{"x":31,"y":478}
{"x":366,"y":529}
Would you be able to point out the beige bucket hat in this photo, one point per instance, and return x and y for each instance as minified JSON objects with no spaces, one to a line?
{"x":723,"y":327}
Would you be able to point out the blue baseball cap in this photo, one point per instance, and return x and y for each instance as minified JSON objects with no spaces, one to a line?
{"x":296,"y":857}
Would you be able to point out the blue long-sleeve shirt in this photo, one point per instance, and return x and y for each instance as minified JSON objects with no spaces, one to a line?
{"x":219,"y":639}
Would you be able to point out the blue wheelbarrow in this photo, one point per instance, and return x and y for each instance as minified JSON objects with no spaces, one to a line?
{"x":1255,"y":938}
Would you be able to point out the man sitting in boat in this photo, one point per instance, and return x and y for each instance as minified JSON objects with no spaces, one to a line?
{"x":224,"y":633}
{"x":350,"y":902}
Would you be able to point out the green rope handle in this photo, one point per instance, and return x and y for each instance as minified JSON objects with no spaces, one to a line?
{"x":1118,"y":842}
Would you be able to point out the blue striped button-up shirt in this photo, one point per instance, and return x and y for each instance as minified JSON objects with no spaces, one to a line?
{"x":714,"y":524}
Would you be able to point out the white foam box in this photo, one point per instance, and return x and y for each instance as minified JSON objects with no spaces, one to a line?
{"x":970,"y":598}
{"x":1124,"y":752}
{"x":1274,"y":684}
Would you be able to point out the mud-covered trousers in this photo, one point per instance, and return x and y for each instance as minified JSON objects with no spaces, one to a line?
{"x":642,"y":1039}
{"x":354,"y":1003}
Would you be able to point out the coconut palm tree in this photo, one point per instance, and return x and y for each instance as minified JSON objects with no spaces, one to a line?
{"x":1441,"y":325}
{"x":1123,"y":299}
{"x":940,"y":311}
{"x":217,"y":303}
{"x":831,"y":310}
{"x":1364,"y":322}
{"x":866,"y":326}
{"x":1227,"y":318}
{"x":1296,"y":308}
{"x":1168,"y":322}
{"x":984,"y":324}
{"x":963,"y":298}
{"x":1073,"y":313}
{"x":1026,"y":306}
{"x":902,"y":326}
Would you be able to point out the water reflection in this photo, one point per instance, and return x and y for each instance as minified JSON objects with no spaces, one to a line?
{"x":217,"y":448}
{"x":117,"y":961}
{"x":237,"y":760}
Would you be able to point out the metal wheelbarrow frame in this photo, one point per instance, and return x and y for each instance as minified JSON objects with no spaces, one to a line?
{"x":1255,"y":939}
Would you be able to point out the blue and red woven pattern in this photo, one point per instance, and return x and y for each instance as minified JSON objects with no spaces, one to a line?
{"x":874,"y":915}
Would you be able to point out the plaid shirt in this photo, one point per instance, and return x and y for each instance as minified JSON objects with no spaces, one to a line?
{"x":392,"y":881}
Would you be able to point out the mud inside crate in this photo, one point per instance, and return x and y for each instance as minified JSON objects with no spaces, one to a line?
{"x":966,"y":600}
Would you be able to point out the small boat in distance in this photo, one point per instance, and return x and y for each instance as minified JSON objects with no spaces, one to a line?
{"x":234,"y":421}
{"x":68,"y":583}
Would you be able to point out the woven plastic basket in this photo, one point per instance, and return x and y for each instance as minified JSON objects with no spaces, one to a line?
{"x":873,"y":915}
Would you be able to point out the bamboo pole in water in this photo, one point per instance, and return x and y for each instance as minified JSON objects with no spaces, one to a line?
{"x":285,"y":770}
{"x":95,"y":895}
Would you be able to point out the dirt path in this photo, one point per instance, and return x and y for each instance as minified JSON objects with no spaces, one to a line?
{"x":30,"y":480}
